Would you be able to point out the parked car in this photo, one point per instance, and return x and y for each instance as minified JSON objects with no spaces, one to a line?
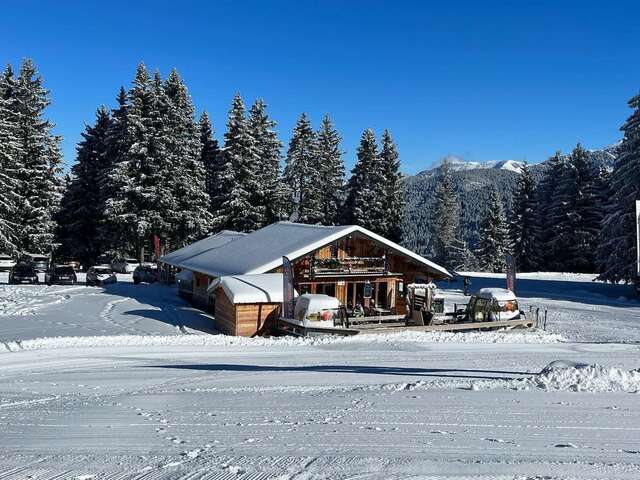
{"x":146,"y":273}
{"x":61,"y":274}
{"x":6,"y":262}
{"x":23,"y":273}
{"x":75,"y":264}
{"x":40,"y":263}
{"x":100,"y":275}
{"x":124,"y":265}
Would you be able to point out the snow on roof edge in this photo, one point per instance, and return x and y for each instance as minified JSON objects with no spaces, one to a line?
{"x":339,"y":234}
{"x":256,"y":288}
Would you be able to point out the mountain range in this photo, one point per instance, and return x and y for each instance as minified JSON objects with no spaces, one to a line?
{"x":473,"y":182}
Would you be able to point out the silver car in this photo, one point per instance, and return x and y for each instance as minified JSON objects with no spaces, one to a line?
{"x":124,"y":265}
{"x":100,"y":275}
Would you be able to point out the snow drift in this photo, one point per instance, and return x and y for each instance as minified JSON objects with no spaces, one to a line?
{"x":572,"y":377}
{"x":525,"y":337}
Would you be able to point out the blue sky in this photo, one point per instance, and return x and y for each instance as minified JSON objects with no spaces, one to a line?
{"x":482,"y":80}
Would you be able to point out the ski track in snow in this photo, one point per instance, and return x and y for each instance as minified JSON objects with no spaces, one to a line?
{"x":105,"y":384}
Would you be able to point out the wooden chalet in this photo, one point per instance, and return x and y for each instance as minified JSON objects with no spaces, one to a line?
{"x":363,"y":270}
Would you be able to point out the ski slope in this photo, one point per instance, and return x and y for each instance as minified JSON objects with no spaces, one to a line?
{"x":139,"y":392}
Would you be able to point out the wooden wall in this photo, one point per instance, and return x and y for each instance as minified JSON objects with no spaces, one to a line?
{"x":243,"y":319}
{"x":201,"y":297}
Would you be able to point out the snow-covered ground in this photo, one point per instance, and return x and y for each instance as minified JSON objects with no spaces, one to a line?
{"x":132,"y":388}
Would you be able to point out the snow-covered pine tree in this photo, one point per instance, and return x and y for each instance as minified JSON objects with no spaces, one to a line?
{"x":303,"y":174}
{"x":366,"y":187}
{"x":332,"y":171}
{"x":576,"y":213}
{"x":209,"y":156}
{"x":586,"y":216}
{"x":551,"y":211}
{"x":461,"y":257}
{"x":240,"y":175}
{"x":118,"y":175}
{"x":140,"y":206}
{"x":268,"y":147}
{"x":524,"y":227}
{"x":187,"y":171}
{"x":38,"y":186}
{"x":493,"y":236}
{"x":617,"y":251}
{"x":10,"y":155}
{"x":446,"y":216}
{"x":394,"y":198}
{"x":81,"y":215}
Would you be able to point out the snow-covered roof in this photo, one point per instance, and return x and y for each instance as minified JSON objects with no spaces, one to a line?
{"x":258,"y":288}
{"x":500,"y":294}
{"x":262,"y":251}
{"x":185,"y":254}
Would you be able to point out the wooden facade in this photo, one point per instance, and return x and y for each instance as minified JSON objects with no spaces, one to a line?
{"x":356,"y":265}
{"x":362,"y":273}
{"x":243,"y":320}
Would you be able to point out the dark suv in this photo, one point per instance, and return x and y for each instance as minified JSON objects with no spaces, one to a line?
{"x":23,"y":273}
{"x":63,"y":274}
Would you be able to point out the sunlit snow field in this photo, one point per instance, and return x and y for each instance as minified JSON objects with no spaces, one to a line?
{"x":130,"y":382}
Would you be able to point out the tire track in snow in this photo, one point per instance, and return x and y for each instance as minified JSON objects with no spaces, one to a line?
{"x":106,"y":315}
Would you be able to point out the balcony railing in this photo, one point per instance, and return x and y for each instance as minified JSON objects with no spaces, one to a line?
{"x":348,"y":266}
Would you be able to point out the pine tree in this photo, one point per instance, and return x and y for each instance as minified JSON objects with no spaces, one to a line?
{"x":268,"y":146}
{"x":461,"y":257}
{"x":493,"y":236}
{"x":137,"y":210}
{"x":366,"y":188}
{"x":10,"y":155}
{"x":587,"y":214}
{"x":38,"y":165}
{"x":81,"y":215}
{"x":115,"y":180}
{"x":445,"y":216}
{"x":303,"y":174}
{"x":209,"y":156}
{"x":240,"y":175}
{"x":617,"y":250}
{"x":394,"y":195}
{"x":331,"y":167}
{"x":524,"y":229}
{"x":576,"y":213}
{"x":186,"y":169}
{"x":551,"y":211}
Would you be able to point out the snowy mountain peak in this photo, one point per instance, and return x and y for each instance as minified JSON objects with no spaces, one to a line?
{"x":457,"y":164}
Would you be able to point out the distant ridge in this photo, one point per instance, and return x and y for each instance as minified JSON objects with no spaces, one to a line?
{"x":472,"y":182}
{"x":457,"y":164}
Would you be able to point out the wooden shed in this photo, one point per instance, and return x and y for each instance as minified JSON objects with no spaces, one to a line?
{"x":247,"y":305}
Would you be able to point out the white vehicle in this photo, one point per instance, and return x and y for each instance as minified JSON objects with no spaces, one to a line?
{"x":6,"y":262}
{"x":316,"y":314}
{"x":493,"y":305}
{"x":100,"y":275}
{"x":317,"y":310}
{"x":124,"y":265}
